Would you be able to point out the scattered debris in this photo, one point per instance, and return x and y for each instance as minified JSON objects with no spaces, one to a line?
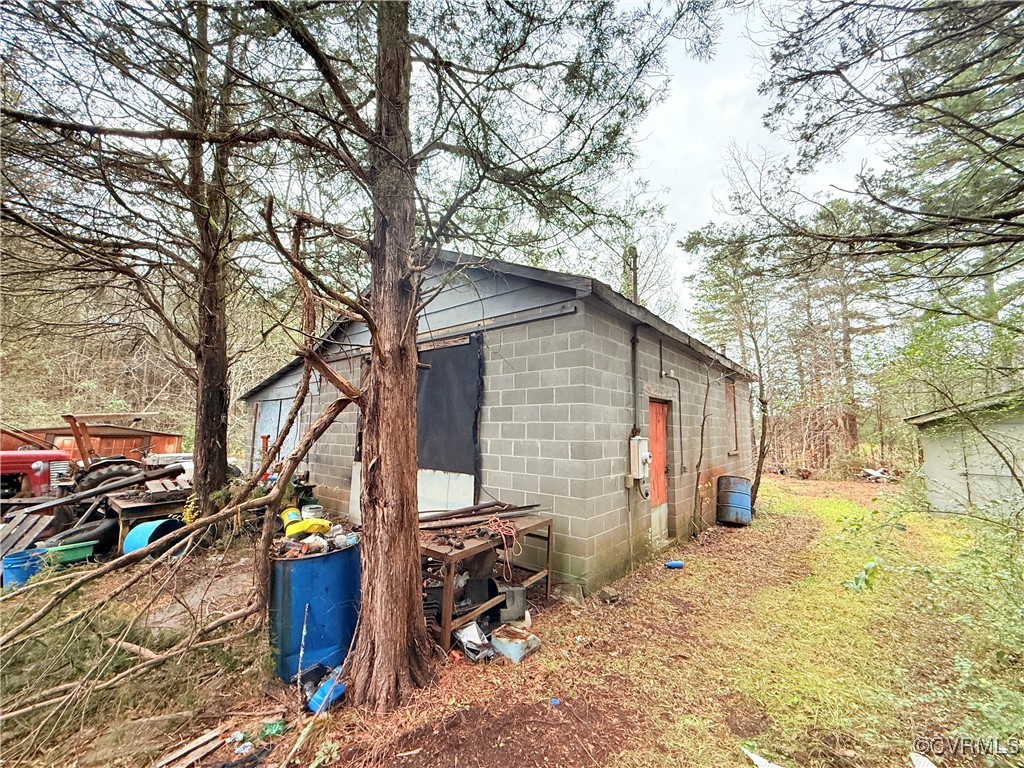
{"x":329,"y":692}
{"x":474,"y":642}
{"x":191,"y":753}
{"x":276,"y":727}
{"x":304,"y":539}
{"x":674,"y":564}
{"x":920,"y":761}
{"x":759,"y":761}
{"x":251,"y":760}
{"x":570,"y":593}
{"x":880,"y":475}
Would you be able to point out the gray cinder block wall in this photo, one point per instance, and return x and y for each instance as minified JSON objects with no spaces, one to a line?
{"x":556,"y":419}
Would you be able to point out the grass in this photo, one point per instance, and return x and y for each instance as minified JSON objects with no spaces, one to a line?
{"x":789,"y":662}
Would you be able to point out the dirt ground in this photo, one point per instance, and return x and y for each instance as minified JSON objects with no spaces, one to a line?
{"x":615,"y":684}
{"x":753,"y":644}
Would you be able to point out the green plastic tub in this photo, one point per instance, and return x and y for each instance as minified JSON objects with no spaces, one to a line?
{"x":70,"y":553}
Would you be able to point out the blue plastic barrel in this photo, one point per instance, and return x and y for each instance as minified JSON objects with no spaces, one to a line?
{"x":144,"y":534}
{"x":19,"y":567}
{"x":733,"y":500}
{"x":322,"y":592}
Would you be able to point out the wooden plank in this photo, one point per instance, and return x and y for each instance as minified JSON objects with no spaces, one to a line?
{"x":187,"y":748}
{"x":189,"y":760}
{"x":468,"y":522}
{"x":482,"y":608}
{"x":23,"y":534}
{"x":36,"y":530}
{"x":447,"y":604}
{"x":13,"y":532}
{"x":529,"y":581}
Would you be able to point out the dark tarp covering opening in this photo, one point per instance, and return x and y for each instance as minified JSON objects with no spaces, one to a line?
{"x":448,"y":407}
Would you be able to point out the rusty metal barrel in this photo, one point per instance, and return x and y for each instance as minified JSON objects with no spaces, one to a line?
{"x":733,"y":500}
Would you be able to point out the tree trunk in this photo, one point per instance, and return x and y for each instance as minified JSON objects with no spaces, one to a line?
{"x":212,"y":394}
{"x":762,"y":399}
{"x":210,"y":211}
{"x":849,"y":420}
{"x":393,"y":653}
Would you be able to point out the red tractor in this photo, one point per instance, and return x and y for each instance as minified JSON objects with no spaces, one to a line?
{"x":79,"y":455}
{"x":33,"y":472}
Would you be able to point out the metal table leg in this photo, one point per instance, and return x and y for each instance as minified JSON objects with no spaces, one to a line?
{"x":447,"y":604}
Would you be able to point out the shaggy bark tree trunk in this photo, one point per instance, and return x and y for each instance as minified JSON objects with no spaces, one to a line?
{"x":211,"y":442}
{"x":393,"y":653}
{"x":208,"y":200}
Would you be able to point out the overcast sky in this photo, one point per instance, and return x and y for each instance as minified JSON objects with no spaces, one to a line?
{"x":712,"y":105}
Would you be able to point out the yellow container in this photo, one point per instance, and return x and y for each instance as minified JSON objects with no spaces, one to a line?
{"x":290,"y":516}
{"x":308,"y":526}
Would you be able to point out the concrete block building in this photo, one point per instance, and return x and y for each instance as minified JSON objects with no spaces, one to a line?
{"x":536,"y":382}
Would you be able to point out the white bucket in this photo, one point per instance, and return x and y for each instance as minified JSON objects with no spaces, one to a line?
{"x":312,"y":510}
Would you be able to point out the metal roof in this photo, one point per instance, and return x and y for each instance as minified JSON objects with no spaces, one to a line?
{"x":1013,"y":398}
{"x":584,"y":287}
{"x":101,"y":430}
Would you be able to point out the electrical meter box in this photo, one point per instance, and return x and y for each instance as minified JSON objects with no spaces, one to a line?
{"x":639,"y":458}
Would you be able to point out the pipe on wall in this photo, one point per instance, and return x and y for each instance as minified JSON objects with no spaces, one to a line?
{"x":679,"y":414}
{"x":634,"y":346}
{"x":634,"y":342}
{"x":679,"y":400}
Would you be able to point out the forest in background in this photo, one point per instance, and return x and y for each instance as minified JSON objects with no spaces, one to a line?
{"x":905,"y":294}
{"x":856,"y":311}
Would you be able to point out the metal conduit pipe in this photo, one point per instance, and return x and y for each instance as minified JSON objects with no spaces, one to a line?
{"x":634,"y":344}
{"x":679,"y":401}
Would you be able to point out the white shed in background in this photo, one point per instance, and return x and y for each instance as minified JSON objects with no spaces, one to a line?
{"x":973,"y":454}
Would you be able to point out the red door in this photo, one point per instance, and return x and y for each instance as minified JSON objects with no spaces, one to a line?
{"x":658,"y":444}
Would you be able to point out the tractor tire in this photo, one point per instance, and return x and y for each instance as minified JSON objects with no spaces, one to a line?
{"x":104,"y":474}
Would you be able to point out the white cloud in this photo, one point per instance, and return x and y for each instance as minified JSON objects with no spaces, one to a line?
{"x":711,"y":106}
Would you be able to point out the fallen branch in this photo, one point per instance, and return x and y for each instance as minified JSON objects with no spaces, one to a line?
{"x":138,"y":650}
{"x":145,"y":666}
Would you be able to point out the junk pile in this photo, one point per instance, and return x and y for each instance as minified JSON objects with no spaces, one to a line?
{"x":93,"y":522}
{"x":314,"y":597}
{"x":306,"y":533}
{"x":496,"y":606}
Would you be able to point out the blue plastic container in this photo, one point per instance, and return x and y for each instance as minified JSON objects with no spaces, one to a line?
{"x":328,"y":585}
{"x":144,"y":534}
{"x":19,"y":567}
{"x":733,"y":500}
{"x":330,"y":690}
